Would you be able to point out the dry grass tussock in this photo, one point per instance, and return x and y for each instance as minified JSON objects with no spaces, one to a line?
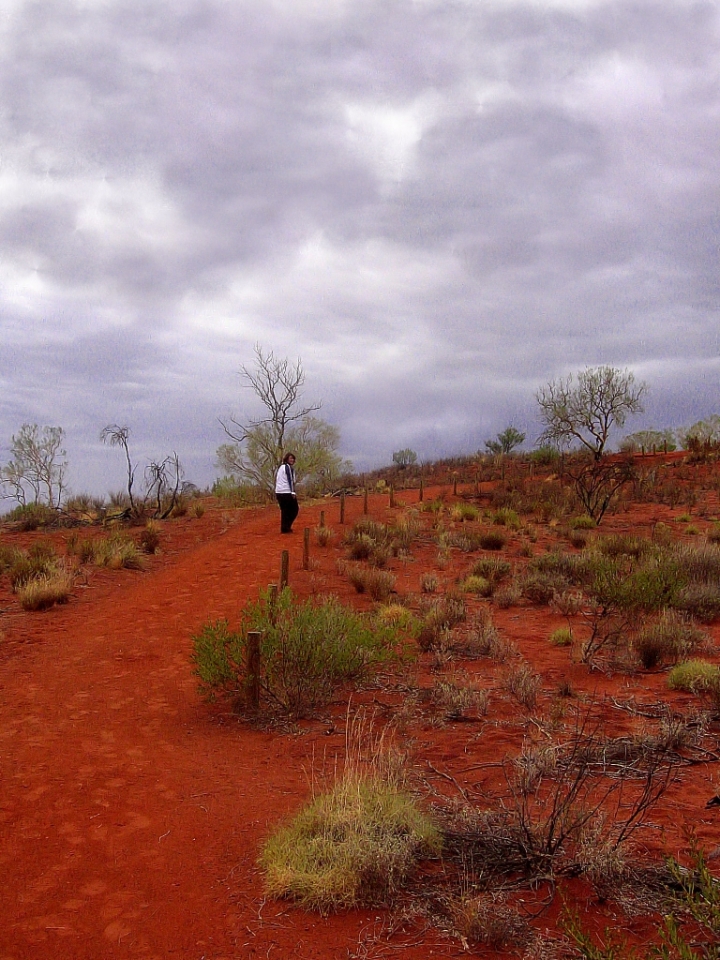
{"x":356,"y":842}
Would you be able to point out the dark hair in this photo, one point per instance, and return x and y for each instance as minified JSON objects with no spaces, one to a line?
{"x":287,"y":457}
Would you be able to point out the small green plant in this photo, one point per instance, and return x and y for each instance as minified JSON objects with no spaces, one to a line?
{"x":583,"y":522}
{"x":477,"y":585}
{"x":491,"y":568}
{"x":693,"y":676}
{"x":464,"y":511}
{"x":506,"y":517}
{"x":562,"y":637}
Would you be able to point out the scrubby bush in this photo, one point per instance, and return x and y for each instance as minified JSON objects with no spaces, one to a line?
{"x":507,"y":517}
{"x":670,"y":638}
{"x":150,"y":537}
{"x":307,"y":649}
{"x":464,"y":511}
{"x":324,"y":535}
{"x":456,"y":694}
{"x":491,"y":568}
{"x":541,"y":588}
{"x":428,"y":583}
{"x":478,"y":585}
{"x":378,"y":584}
{"x":492,"y":540}
{"x":442,"y":615}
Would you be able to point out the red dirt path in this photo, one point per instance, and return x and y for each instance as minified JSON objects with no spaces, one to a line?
{"x":131,"y":812}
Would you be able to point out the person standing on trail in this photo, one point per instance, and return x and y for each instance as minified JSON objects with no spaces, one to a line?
{"x":285,"y":493}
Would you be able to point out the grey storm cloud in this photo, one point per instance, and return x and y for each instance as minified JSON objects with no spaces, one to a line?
{"x":437,"y":204}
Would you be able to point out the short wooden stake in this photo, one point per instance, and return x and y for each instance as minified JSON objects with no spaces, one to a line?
{"x":284,"y":569}
{"x":392,"y":496}
{"x":342,"y":507}
{"x":322,"y":518}
{"x":252,"y":667}
{"x":455,"y":487}
{"x":306,"y":548}
{"x":365,"y":501}
{"x":422,"y":491}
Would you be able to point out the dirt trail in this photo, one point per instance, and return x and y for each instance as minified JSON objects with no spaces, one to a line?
{"x":130,"y":815}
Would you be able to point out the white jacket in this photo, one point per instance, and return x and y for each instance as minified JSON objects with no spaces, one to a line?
{"x":285,"y":479}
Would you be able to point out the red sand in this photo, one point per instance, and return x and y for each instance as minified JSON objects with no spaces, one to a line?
{"x":131,"y":812}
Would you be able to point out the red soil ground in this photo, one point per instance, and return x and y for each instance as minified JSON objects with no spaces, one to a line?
{"x":132,"y":812}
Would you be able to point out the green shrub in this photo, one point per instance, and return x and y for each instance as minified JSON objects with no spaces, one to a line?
{"x":541,"y":587}
{"x":506,"y":517}
{"x":693,"y":676}
{"x":491,"y":568}
{"x":478,"y":585}
{"x":356,"y":844}
{"x":464,"y":511}
{"x":583,"y":522}
{"x":306,"y":649}
{"x":562,"y":637}
{"x":31,"y":516}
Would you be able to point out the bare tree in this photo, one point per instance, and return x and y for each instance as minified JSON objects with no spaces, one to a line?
{"x":260,"y":444}
{"x":163,"y":481}
{"x":163,"y":478}
{"x":586,"y":410}
{"x":37,"y":469}
{"x":118,"y":436}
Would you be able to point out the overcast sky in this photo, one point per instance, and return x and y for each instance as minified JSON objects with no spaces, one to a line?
{"x":438,"y":206}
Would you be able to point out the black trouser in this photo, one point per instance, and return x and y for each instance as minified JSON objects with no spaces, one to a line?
{"x":288,"y":510}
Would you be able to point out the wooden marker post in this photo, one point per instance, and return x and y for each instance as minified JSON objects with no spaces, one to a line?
{"x":455,"y":487}
{"x":284,"y":569}
{"x":252,"y":667}
{"x":422,"y":491}
{"x":322,"y":518}
{"x":365,"y":501}
{"x":392,"y":495}
{"x":306,"y":548}
{"x":342,"y":507}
